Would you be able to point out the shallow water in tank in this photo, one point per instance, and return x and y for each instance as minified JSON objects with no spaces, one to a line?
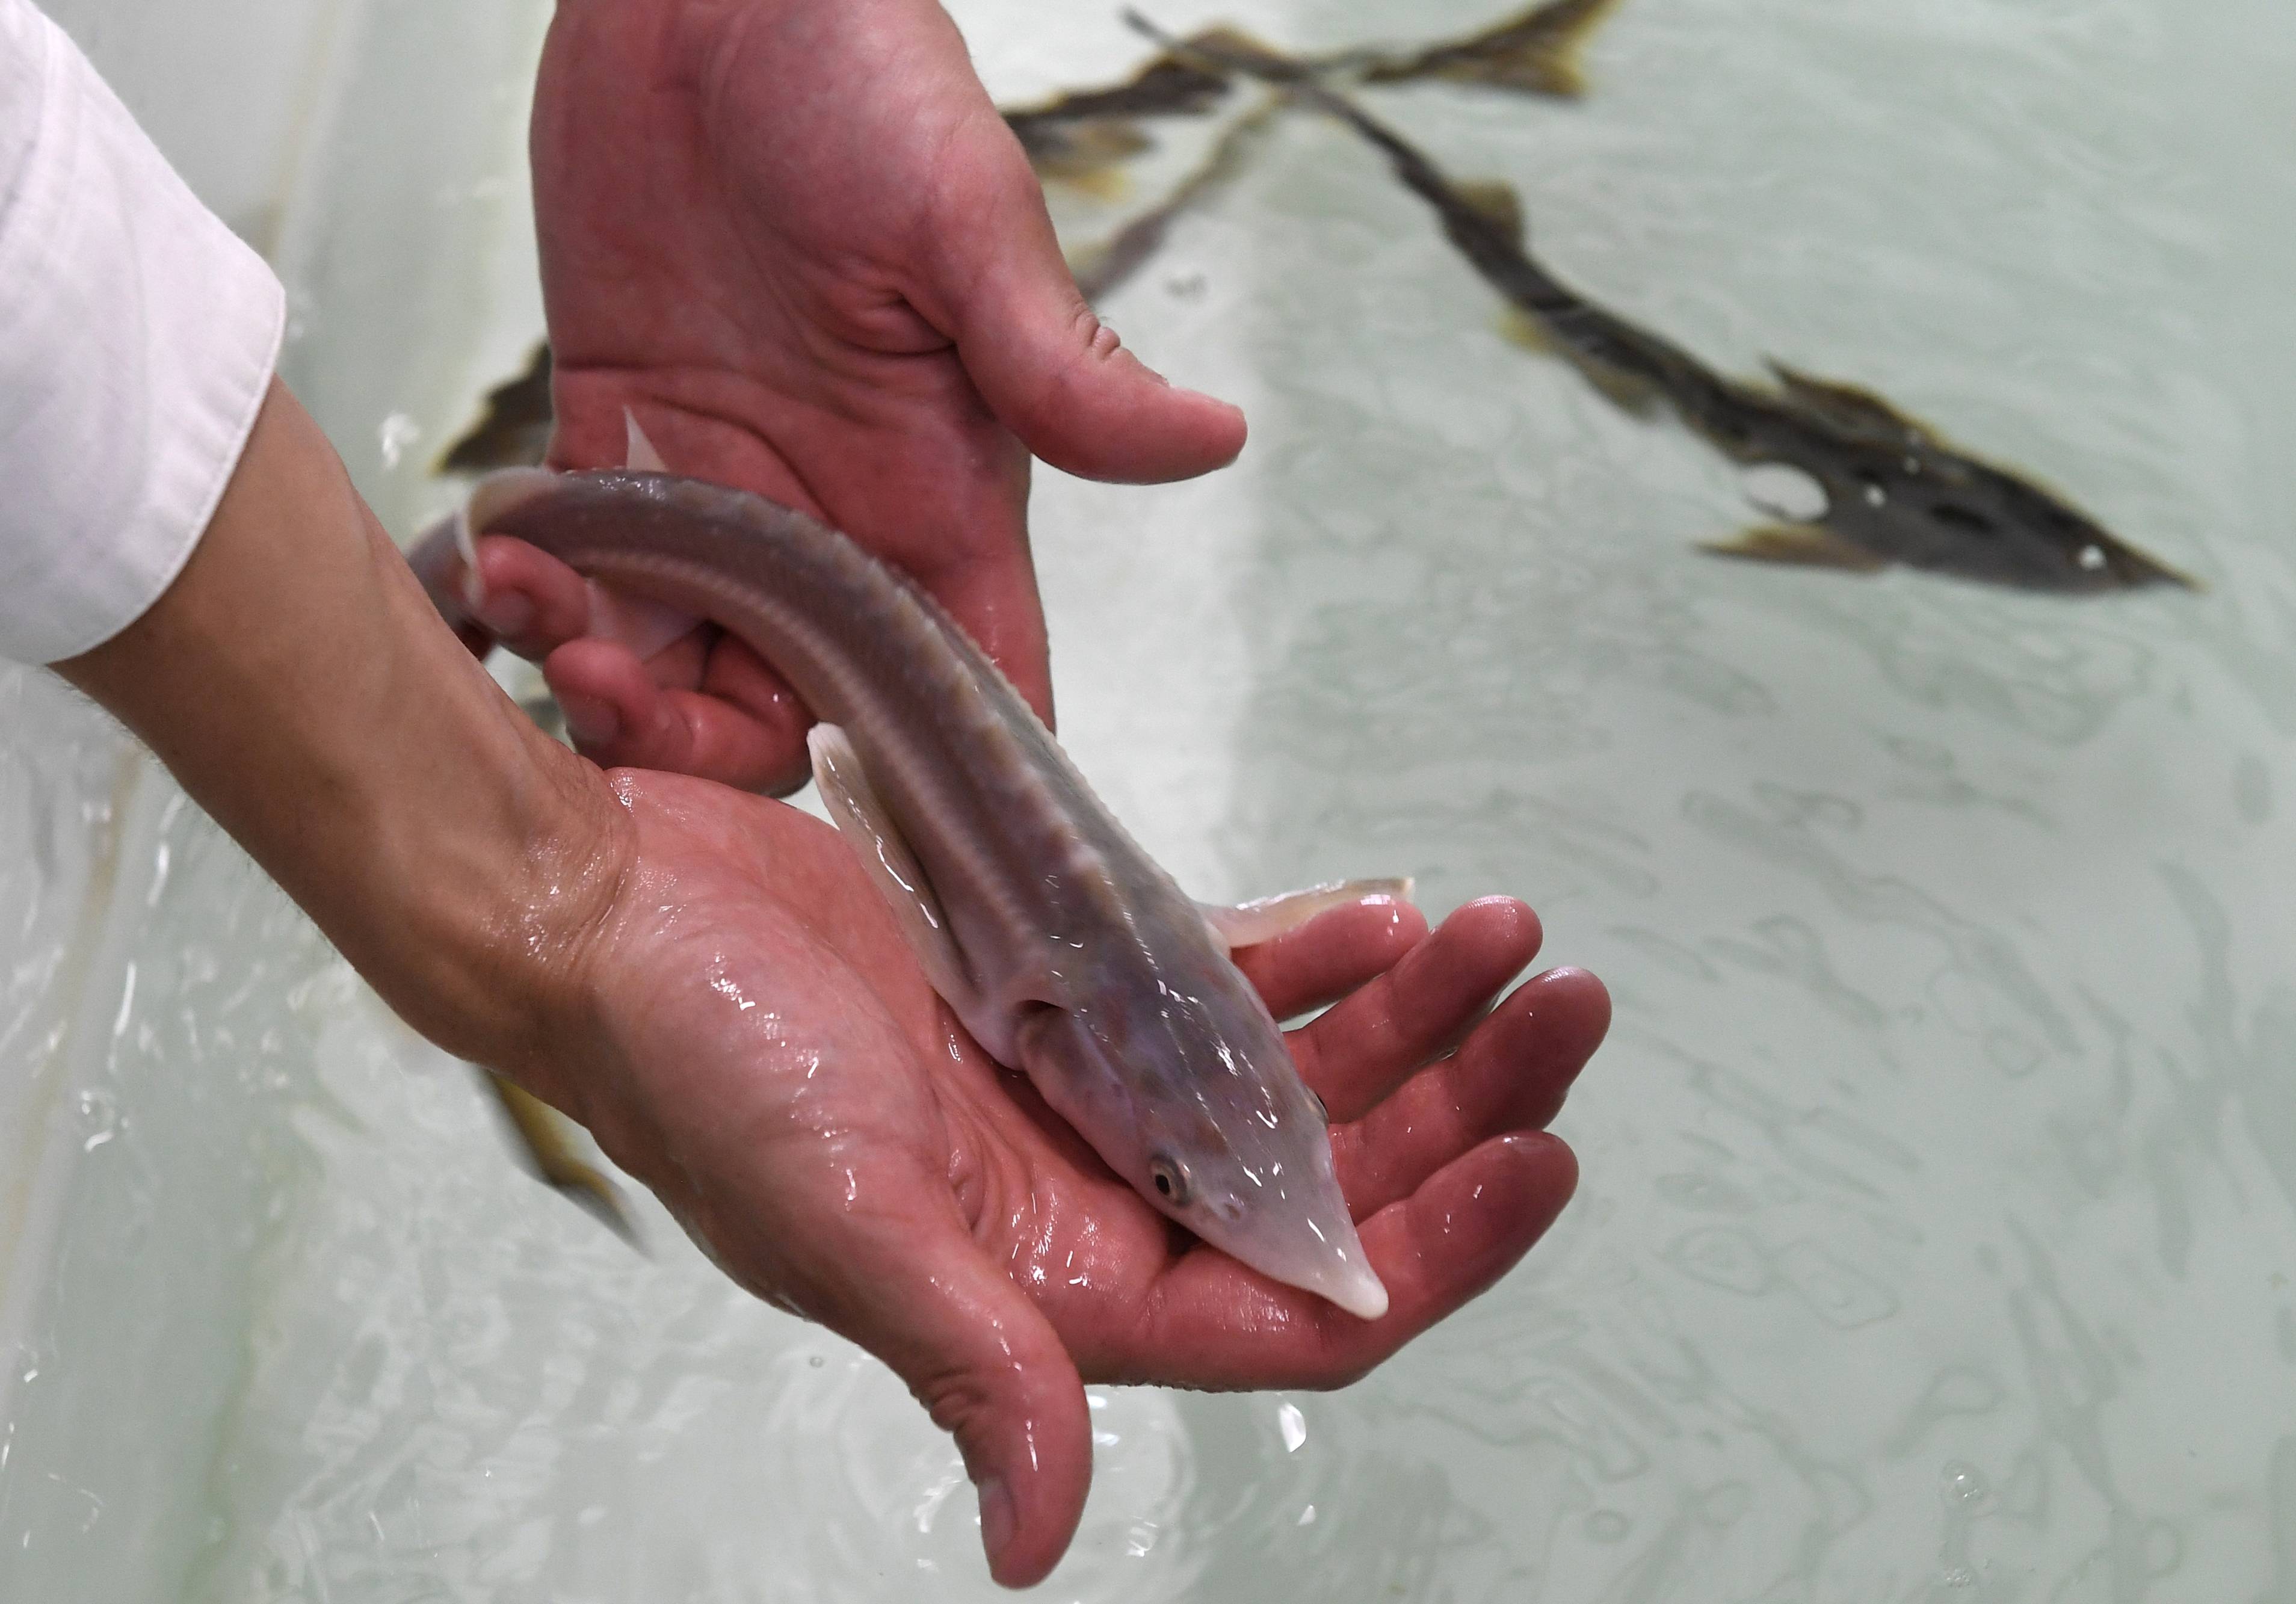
{"x":1939,"y":1175}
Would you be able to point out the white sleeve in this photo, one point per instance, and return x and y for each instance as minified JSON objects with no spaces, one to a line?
{"x":137,"y":336}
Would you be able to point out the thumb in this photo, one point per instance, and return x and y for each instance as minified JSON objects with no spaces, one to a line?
{"x":1051,"y":370}
{"x":990,"y":1370}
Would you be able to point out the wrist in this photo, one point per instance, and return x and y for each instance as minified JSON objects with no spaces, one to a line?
{"x":299,"y":685}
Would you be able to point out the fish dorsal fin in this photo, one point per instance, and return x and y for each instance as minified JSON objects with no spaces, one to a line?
{"x":1496,"y":202}
{"x":1856,"y":412}
{"x":1800,"y":545}
{"x":638,"y":456}
{"x":1224,"y":40}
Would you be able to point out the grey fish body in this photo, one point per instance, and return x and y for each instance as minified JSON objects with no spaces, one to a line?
{"x":1063,"y":947}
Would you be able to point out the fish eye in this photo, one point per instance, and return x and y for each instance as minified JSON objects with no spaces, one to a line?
{"x":1170,"y":1178}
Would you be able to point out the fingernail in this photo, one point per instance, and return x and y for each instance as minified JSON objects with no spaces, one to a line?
{"x":995,"y":1518}
{"x":507,"y":614}
{"x":589,"y":720}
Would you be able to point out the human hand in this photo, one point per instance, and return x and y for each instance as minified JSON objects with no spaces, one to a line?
{"x":762,"y":1051}
{"x":796,"y":241}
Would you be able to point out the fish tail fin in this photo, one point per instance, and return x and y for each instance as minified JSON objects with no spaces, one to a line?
{"x":1539,"y":52}
{"x":543,"y":1138}
{"x":1560,"y":52}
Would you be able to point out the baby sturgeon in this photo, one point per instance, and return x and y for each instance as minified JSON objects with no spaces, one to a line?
{"x":1063,"y":948}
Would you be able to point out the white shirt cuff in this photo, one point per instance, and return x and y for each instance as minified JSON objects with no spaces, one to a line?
{"x":137,"y":338}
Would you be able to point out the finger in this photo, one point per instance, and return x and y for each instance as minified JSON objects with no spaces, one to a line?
{"x":1511,"y":1073}
{"x":1370,"y":1043}
{"x":1330,"y":956}
{"x":533,"y":603}
{"x":618,"y":717}
{"x":1221,"y":1325}
{"x":1051,"y":370}
{"x":990,"y":1370}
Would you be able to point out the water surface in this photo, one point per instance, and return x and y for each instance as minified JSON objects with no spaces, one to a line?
{"x":1939,"y":1180}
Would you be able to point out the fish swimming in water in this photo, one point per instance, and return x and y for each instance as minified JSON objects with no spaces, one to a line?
{"x":1061,"y":945}
{"x":1081,"y":137}
{"x":1895,"y":491}
{"x":514,"y":428}
{"x":1078,"y":136}
{"x":1103,"y":268}
{"x":544,"y":1136}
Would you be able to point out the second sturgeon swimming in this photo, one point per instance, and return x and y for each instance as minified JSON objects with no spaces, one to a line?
{"x":1061,"y":945}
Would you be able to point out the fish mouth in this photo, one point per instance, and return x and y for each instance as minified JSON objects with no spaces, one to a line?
{"x":1355,"y":1288}
{"x":1331,"y":1265}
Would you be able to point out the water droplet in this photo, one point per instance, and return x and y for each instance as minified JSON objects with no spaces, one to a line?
{"x":99,"y":1115}
{"x":1963,"y":1486}
{"x":1307,"y":1516}
{"x":1875,"y":496}
{"x":2091,"y":558}
{"x":1293,"y":1425}
{"x":1960,"y":1575}
{"x":397,"y":433}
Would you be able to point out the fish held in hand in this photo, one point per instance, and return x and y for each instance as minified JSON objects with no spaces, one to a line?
{"x":1065,"y":950}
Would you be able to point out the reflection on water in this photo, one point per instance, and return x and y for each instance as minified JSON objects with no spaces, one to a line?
{"x":1934,"y":1205}
{"x":1940,"y":1173}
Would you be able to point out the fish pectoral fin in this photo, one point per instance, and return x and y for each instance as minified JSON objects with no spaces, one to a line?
{"x":638,"y":454}
{"x":1804,"y":545}
{"x":1519,"y":328}
{"x":546,"y":1135}
{"x":1248,"y":924}
{"x":1854,"y":411}
{"x":1630,"y":393}
{"x":885,"y":853}
{"x":1495,"y":202}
